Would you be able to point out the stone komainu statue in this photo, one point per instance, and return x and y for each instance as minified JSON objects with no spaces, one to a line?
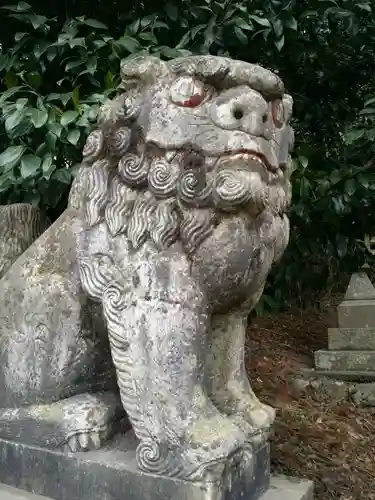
{"x":136,"y":299}
{"x":20,"y":225}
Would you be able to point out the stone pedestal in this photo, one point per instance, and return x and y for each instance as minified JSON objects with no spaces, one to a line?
{"x":112,"y":474}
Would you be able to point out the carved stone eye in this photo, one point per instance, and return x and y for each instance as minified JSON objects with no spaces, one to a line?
{"x":278,"y":113}
{"x":188,"y":92}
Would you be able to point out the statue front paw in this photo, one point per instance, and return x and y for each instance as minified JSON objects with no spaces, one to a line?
{"x":210,"y":447}
{"x":215,"y":444}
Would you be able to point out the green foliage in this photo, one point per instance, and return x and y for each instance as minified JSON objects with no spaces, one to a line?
{"x":54,"y":79}
{"x":61,"y":62}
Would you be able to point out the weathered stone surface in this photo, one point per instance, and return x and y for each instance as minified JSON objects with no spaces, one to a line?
{"x":10,"y":493}
{"x":110,"y":472}
{"x":283,"y":488}
{"x":356,"y":314}
{"x":174,"y":221}
{"x":322,"y":389}
{"x":280,"y":489}
{"x":20,"y":225}
{"x":353,"y":375}
{"x":360,"y":288}
{"x":351,"y":339}
{"x":364,"y":394}
{"x":345,"y":360}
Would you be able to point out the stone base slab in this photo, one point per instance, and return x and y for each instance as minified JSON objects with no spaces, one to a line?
{"x":339,"y":390}
{"x":345,"y":360}
{"x":353,"y":375}
{"x":281,"y":488}
{"x":351,"y":339}
{"x":112,"y":474}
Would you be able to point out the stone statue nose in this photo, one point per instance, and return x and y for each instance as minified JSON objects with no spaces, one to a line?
{"x":243,"y":109}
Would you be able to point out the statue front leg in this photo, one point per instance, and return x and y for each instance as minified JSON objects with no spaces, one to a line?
{"x":226,"y":378}
{"x":157,"y":330}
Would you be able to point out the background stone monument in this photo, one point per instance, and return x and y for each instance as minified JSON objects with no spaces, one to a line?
{"x":347,"y":368}
{"x":122,"y":336}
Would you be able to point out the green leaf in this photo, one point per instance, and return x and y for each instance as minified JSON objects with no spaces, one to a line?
{"x":3,"y":61}
{"x":240,"y":35}
{"x":279,"y":44}
{"x":291,"y":23}
{"x":95,"y":24}
{"x":363,"y":180}
{"x":37,"y":21}
{"x":73,"y":64}
{"x":55,"y":128}
{"x":367,"y":111}
{"x":68,"y":117}
{"x":18,"y":36}
{"x":47,"y":166}
{"x":353,"y":135}
{"x":171,"y":11}
{"x":21,"y":103}
{"x":241,"y":23}
{"x":350,"y":187}
{"x":51,"y":53}
{"x":73,"y":136}
{"x":20,"y":7}
{"x":8,"y":93}
{"x":63,"y":175}
{"x":335,"y":176}
{"x":34,"y":79}
{"x":92,"y":65}
{"x":341,"y":245}
{"x":39,"y":117}
{"x":11,"y":155}
{"x":11,"y":79}
{"x":364,"y":6}
{"x":260,"y":20}
{"x":41,"y":47}
{"x":14,"y":120}
{"x":30,"y":165}
{"x":278,"y":28}
{"x":130,"y":44}
{"x":303,"y":161}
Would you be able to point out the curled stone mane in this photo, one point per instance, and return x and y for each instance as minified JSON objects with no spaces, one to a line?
{"x":147,"y":198}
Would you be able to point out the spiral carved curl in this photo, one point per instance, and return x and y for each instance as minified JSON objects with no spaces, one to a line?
{"x":163,"y":177}
{"x":193,"y":188}
{"x":94,"y":146}
{"x":133,"y":169}
{"x":120,"y":141}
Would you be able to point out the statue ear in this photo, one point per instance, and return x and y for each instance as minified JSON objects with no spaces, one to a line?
{"x":142,"y":70}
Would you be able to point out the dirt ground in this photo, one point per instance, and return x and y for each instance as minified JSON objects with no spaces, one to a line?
{"x":333,"y":444}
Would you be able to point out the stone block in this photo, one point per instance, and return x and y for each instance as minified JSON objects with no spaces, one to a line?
{"x":364,"y":395}
{"x":10,"y":493}
{"x":353,"y":375}
{"x":284,"y":488}
{"x":356,"y":314}
{"x":112,"y":473}
{"x":345,"y":360}
{"x":281,"y":488}
{"x":351,"y":338}
{"x":321,"y":389}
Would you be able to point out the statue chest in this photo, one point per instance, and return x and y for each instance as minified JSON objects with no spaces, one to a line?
{"x":233,"y":263}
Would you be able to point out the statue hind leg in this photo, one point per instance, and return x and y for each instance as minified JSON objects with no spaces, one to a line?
{"x":57,"y":383}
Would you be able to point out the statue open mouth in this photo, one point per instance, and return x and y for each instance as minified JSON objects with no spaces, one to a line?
{"x":247,"y":160}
